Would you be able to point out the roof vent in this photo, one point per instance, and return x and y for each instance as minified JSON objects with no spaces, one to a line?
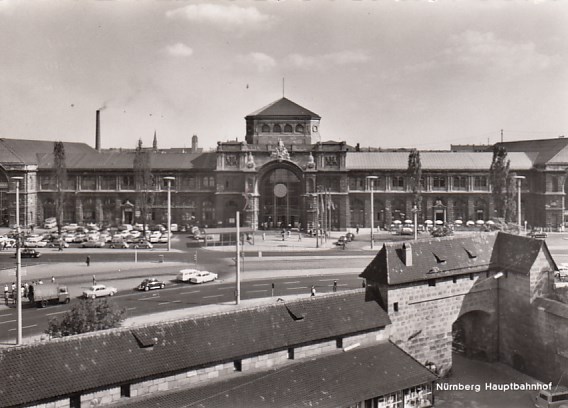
{"x":439,"y":260}
{"x":407,"y":254}
{"x":144,"y":340}
{"x":470,"y":254}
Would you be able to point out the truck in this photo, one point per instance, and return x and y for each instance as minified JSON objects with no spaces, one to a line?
{"x":42,"y":294}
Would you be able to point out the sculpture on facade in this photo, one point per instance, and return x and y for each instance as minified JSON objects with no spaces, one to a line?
{"x":280,"y":153}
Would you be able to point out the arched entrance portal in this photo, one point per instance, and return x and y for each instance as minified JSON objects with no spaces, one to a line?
{"x":280,"y":199}
{"x":474,"y":334}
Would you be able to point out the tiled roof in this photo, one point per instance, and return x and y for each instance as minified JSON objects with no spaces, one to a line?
{"x":545,"y":150}
{"x":25,"y":151}
{"x":432,"y":258}
{"x":284,"y":107}
{"x":117,"y":160}
{"x":61,"y":367}
{"x":518,"y":253}
{"x":432,"y":161}
{"x":337,"y":380}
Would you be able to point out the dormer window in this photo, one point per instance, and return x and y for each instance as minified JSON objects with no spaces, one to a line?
{"x":288,"y":129}
{"x":277,"y":129}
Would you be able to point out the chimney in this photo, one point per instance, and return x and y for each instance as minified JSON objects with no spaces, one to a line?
{"x":98,"y":131}
{"x":407,"y":254}
{"x":194,"y":144}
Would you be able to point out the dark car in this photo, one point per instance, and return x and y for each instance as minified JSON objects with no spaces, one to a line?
{"x":342,"y":240}
{"x":151,"y":283}
{"x":30,"y":253}
{"x":350,"y":236}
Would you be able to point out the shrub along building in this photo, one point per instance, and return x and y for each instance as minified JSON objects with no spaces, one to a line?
{"x":492,"y":295}
{"x":277,"y":175}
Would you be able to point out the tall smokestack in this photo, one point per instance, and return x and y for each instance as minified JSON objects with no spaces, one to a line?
{"x":98,"y":131}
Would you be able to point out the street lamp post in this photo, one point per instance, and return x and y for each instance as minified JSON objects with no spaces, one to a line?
{"x":18,"y":292}
{"x":371,"y":180}
{"x":519,"y":183}
{"x":169,"y":179}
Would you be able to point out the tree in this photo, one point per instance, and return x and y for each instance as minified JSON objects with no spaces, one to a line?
{"x":143,"y":181}
{"x":503,"y":187}
{"x":60,"y":180}
{"x":87,"y":316}
{"x":414,"y":176}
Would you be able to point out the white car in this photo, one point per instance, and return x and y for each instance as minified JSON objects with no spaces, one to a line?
{"x":35,"y":244}
{"x":203,"y":276}
{"x":96,"y":291}
{"x":174,"y":228}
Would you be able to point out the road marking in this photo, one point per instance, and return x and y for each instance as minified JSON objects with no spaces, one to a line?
{"x":55,"y":313}
{"x":8,"y":321}
{"x":150,"y":298}
{"x":4,"y":315}
{"x":25,"y":327}
{"x":163,"y":303}
{"x":292,"y":282}
{"x":187,"y":293}
{"x":253,"y":291}
{"x":327,"y":280}
{"x":298,"y":287}
{"x":176,"y":301}
{"x":213,"y":296}
{"x":130,"y":308}
{"x":261,"y":284}
{"x":228,"y":288}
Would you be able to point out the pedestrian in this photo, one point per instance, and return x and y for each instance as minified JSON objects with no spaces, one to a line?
{"x":299,"y":236}
{"x":60,"y":246}
{"x":263,"y":236}
{"x":94,"y":280}
{"x":335,"y":286}
{"x":53,"y":279}
{"x":313,"y":291}
{"x":26,"y":289}
{"x":6,"y":289}
{"x":13,"y":286}
{"x":343,"y":245}
{"x":283,"y":235}
{"x":357,"y":228}
{"x":88,"y":260}
{"x":6,"y":297}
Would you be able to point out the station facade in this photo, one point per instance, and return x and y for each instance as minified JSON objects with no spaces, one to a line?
{"x":280,"y":175}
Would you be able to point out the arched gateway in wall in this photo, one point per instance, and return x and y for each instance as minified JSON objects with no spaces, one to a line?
{"x":281,"y":191}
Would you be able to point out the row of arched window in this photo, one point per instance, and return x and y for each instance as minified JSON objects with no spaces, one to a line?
{"x":287,"y":128}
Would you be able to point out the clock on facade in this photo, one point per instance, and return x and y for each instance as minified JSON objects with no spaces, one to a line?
{"x":280,"y":190}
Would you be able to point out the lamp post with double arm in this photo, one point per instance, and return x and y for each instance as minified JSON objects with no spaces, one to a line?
{"x":371,"y":181}
{"x":169,"y":180}
{"x":18,"y":292}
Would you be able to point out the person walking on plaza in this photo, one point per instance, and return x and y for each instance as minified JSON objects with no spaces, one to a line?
{"x":6,"y":293}
{"x":94,"y":280}
{"x":313,"y":291}
{"x":88,"y":260}
{"x":53,"y":279}
{"x":335,"y":286}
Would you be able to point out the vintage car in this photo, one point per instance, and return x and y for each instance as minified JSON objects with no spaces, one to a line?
{"x":96,"y":291}
{"x":151,"y":283}
{"x":203,"y":276}
{"x":30,"y":253}
{"x":93,"y":244}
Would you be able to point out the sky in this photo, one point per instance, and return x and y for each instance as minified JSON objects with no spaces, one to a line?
{"x":382,"y":73}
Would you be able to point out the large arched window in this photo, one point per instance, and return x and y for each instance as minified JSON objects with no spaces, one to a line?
{"x":265,"y":129}
{"x":280,"y":192}
{"x":460,"y":210}
{"x":481,"y":212}
{"x":277,"y":129}
{"x":299,"y":128}
{"x":288,"y":129}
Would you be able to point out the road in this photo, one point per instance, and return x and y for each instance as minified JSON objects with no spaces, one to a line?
{"x":175,"y":296}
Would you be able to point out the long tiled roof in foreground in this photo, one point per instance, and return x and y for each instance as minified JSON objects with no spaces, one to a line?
{"x":61,"y":367}
{"x":336,"y":380}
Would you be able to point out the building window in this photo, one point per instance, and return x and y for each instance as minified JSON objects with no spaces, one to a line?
{"x":108,"y":182}
{"x":460,"y":183}
{"x":356,"y":183}
{"x":208,"y":182}
{"x":397,"y":182}
{"x":299,"y":128}
{"x":88,"y":182}
{"x":265,"y":129}
{"x":238,"y":365}
{"x":165,"y":184}
{"x":288,"y":129}
{"x":431,"y":282}
{"x":480,"y":182}
{"x":291,"y":353}
{"x":423,"y":185}
{"x":277,"y":129}
{"x":471,"y":276}
{"x":46,"y":183}
{"x":454,"y":279}
{"x":75,"y":401}
{"x":395,"y":306}
{"x":125,"y":390}
{"x":556,"y":185}
{"x":439,"y":183}
{"x":127,"y":183}
{"x":339,"y":342}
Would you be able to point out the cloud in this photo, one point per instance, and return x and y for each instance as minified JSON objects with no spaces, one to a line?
{"x":486,"y":52}
{"x":179,"y":50}
{"x":261,"y":61}
{"x":226,"y":17}
{"x":323,"y":60}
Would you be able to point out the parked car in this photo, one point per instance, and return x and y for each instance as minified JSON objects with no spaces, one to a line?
{"x":29,"y":253}
{"x":186,"y":274}
{"x":203,"y":276}
{"x":350,"y":236}
{"x":143,"y":244}
{"x":49,"y":223}
{"x":93,"y":244}
{"x":164,"y":237}
{"x":35,"y":244}
{"x":79,"y":238}
{"x":96,"y":291}
{"x":538,"y":234}
{"x":407,"y":230}
{"x":123,"y":245}
{"x":151,"y":283}
{"x":174,"y":227}
{"x":42,"y":294}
